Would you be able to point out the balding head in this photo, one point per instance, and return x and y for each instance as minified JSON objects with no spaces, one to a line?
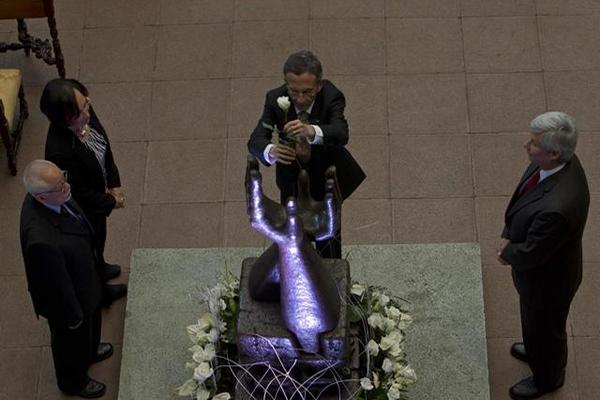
{"x":46,"y":183}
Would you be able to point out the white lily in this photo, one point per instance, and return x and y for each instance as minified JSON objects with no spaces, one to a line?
{"x":188,"y":388}
{"x":222,"y":396}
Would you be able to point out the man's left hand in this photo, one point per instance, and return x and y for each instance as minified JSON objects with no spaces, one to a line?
{"x":297,"y":128}
{"x":501,"y":246}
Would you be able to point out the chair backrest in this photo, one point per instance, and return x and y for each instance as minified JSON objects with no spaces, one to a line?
{"x":17,"y":9}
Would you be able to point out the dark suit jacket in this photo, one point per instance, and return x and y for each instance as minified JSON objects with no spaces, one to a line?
{"x":328,"y":114}
{"x":63,"y":275}
{"x":545,"y":229}
{"x":85,"y":175}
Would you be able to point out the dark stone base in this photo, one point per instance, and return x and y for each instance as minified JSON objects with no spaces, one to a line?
{"x":275,"y":355}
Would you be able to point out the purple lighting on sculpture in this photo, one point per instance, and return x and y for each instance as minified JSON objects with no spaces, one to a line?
{"x":310,"y":303}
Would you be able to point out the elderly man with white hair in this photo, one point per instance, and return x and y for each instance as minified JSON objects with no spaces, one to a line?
{"x":542,"y":241}
{"x":63,"y":276}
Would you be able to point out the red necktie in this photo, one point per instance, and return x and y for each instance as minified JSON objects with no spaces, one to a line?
{"x":531,"y":182}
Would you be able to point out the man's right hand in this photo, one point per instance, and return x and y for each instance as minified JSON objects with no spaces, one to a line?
{"x":282,"y":154}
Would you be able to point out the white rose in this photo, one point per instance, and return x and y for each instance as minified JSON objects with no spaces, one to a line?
{"x":405,"y":320}
{"x":375,"y":320}
{"x":388,"y":324}
{"x":357,"y":289}
{"x":394,"y":337}
{"x":392,"y":312}
{"x":373,"y":348}
{"x":204,"y":354}
{"x":202,"y":394}
{"x":406,"y":371}
{"x":393,"y":393}
{"x":187,"y":388}
{"x":222,"y":396}
{"x":203,"y":372}
{"x":284,"y":103}
{"x":387,"y":366}
{"x":395,"y":351}
{"x":366,"y":384}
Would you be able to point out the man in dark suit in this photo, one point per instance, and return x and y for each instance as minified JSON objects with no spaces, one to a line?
{"x":541,"y":240}
{"x":315,"y":119}
{"x":64,"y":277}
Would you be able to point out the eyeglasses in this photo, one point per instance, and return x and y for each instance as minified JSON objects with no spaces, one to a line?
{"x":86,"y":106}
{"x":62,"y":185}
{"x":304,"y":93}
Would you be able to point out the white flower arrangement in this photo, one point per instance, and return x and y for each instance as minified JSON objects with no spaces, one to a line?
{"x":379,"y":316}
{"x":387,"y":373}
{"x":214,"y":332}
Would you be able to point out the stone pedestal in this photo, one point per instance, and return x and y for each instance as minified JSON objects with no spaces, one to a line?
{"x":442,"y":282}
{"x":265,"y":343}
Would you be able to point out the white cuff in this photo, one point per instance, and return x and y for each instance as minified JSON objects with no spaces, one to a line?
{"x":318,"y":138}
{"x":266,"y":154}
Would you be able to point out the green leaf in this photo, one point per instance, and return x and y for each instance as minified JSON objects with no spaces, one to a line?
{"x":265,"y":125}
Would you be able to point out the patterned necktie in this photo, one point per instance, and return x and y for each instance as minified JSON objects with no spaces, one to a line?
{"x":530,"y":183}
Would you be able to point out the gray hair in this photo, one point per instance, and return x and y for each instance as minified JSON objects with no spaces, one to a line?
{"x":303,"y":61}
{"x":557,"y":133}
{"x":35,"y":175}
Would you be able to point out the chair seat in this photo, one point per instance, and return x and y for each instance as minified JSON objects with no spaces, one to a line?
{"x":10,"y":82}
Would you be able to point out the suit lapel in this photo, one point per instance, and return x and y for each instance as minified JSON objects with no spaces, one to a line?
{"x":534,"y":194}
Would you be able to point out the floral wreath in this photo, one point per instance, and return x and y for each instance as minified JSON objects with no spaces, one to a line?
{"x":380,"y":319}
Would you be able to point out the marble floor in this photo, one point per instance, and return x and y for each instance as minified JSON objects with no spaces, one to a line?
{"x":439,"y":93}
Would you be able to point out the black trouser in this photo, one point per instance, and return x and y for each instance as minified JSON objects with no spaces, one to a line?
{"x":98,"y":222}
{"x":545,"y":339}
{"x":73,"y":350}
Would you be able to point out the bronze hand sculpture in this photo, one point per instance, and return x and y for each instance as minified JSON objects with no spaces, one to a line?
{"x":291,"y":270}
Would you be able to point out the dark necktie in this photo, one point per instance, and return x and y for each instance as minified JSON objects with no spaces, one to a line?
{"x":71,"y":212}
{"x":530,"y":183}
{"x":303,"y":148}
{"x":303,"y":117}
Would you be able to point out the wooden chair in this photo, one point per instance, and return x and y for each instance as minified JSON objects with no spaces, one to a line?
{"x":21,"y":9}
{"x":11,"y":128}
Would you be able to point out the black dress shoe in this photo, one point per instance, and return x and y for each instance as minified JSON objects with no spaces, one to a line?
{"x":104,"y":351}
{"x":527,"y":389}
{"x":517,"y":350}
{"x":110,"y":293}
{"x":92,"y":390}
{"x":111,"y":271}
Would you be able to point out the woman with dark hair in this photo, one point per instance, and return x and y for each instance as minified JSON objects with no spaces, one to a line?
{"x":77,"y":144}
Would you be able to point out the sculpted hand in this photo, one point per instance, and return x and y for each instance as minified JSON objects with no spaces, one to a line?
{"x":321,"y":218}
{"x":266,"y":216}
{"x":283,"y":154}
{"x":300,"y":129}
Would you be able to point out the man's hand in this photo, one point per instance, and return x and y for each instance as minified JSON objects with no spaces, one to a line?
{"x":501,"y":246}
{"x":282,"y":154}
{"x":303,"y":150}
{"x":298,"y":128}
{"x":119,"y":196}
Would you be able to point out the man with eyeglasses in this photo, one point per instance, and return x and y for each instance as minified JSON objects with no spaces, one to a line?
{"x":64,"y":277}
{"x":315,"y":126}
